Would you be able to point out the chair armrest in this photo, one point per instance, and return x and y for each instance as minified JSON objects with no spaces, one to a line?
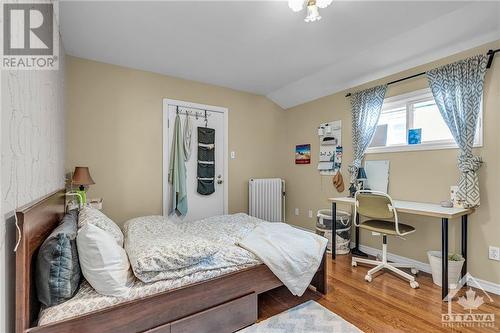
{"x":396,"y":221}
{"x":355,"y":217}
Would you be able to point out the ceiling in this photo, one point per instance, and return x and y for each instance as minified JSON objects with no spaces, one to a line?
{"x":263,"y":47}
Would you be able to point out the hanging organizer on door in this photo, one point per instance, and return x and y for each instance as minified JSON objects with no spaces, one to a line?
{"x":206,"y":160}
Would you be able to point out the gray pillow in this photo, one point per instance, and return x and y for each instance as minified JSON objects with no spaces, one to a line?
{"x":57,"y":274}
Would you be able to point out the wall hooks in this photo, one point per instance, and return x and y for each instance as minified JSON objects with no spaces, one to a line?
{"x":196,"y":114}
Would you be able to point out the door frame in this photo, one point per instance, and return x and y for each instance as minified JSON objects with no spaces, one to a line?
{"x":166,"y":149}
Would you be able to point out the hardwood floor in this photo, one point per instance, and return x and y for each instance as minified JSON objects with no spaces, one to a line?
{"x":387,"y":304}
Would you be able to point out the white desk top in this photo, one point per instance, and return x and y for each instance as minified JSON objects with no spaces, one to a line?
{"x":417,"y":208}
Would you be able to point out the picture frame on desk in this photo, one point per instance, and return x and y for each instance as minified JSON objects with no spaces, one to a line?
{"x":454,"y":197}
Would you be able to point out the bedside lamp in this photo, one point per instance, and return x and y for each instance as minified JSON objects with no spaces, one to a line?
{"x":81,"y":176}
{"x":361,"y":177}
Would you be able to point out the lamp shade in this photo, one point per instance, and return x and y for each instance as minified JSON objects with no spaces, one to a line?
{"x":361,"y":173}
{"x":81,"y":176}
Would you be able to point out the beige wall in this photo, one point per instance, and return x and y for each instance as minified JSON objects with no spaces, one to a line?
{"x":421,"y":176}
{"x":114,"y":126}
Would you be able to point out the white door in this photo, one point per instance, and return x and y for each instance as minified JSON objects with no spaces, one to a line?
{"x":199,"y":206}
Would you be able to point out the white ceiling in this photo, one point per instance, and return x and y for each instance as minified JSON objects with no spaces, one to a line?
{"x":265,"y":48}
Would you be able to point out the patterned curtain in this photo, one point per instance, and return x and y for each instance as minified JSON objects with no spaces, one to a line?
{"x":458,"y":90}
{"x":366,"y":106}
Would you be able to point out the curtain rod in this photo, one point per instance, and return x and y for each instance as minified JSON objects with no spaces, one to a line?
{"x":490,"y":53}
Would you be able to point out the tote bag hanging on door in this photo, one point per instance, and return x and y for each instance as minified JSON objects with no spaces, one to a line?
{"x":206,"y":160}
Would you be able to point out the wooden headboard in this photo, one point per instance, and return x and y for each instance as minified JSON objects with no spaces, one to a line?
{"x":36,"y":221}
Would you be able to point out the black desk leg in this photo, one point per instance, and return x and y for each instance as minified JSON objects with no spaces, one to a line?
{"x":464,"y":245}
{"x":356,"y":251}
{"x":444,"y":261}
{"x":334,"y":230}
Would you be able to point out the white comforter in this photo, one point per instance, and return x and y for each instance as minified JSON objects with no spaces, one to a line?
{"x":293,"y":255}
{"x":161,"y":249}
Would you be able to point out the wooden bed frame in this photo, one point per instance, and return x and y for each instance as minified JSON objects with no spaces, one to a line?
{"x":223,"y":304}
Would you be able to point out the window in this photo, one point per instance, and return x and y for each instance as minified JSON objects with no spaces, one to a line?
{"x":418,"y":111}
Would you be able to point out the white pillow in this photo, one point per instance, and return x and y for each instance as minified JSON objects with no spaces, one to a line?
{"x":97,"y":218}
{"x":104,"y":264}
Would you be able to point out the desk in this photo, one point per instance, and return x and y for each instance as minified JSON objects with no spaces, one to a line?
{"x":423,"y":209}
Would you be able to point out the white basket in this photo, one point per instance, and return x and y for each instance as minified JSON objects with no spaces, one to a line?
{"x":454,"y":269}
{"x":328,"y":235}
{"x":342,"y":244}
{"x":322,"y":229}
{"x":345,"y":217}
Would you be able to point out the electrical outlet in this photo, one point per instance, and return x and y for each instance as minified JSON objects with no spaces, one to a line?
{"x":233,"y":155}
{"x":297,"y":211}
{"x":494,"y":253}
{"x":310,"y":214}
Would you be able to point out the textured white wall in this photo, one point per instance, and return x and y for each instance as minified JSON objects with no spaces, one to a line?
{"x":32,"y":136}
{"x":32,"y":163}
{"x":3,"y":325}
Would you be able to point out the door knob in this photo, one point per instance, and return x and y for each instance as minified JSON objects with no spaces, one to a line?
{"x":219,"y":179}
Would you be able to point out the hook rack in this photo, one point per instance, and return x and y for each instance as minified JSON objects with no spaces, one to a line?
{"x":196,"y":114}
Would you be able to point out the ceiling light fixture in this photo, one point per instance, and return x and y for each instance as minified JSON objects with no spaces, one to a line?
{"x":312,"y":8}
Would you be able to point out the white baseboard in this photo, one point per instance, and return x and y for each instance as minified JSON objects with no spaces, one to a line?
{"x":487,"y":286}
{"x":421,"y":266}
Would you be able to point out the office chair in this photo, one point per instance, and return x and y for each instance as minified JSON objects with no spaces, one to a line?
{"x":382,"y":217}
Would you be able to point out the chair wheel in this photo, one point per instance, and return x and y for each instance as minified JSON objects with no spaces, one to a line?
{"x":354,"y":264}
{"x":414,"y":271}
{"x":368,"y":278}
{"x":414,"y":284}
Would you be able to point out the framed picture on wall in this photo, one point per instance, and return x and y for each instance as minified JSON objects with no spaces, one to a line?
{"x":303,"y":154}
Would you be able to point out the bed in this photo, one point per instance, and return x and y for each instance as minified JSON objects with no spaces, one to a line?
{"x":223,"y":303}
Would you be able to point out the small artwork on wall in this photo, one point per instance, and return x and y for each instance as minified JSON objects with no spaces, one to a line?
{"x":303,"y":154}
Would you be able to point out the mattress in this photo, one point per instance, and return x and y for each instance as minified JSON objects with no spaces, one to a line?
{"x":224,"y":230}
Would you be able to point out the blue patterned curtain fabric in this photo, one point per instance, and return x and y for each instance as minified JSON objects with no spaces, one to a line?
{"x":458,"y":91}
{"x":366,"y":106}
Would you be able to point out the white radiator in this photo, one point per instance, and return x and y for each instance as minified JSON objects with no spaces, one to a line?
{"x":266,"y":199}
